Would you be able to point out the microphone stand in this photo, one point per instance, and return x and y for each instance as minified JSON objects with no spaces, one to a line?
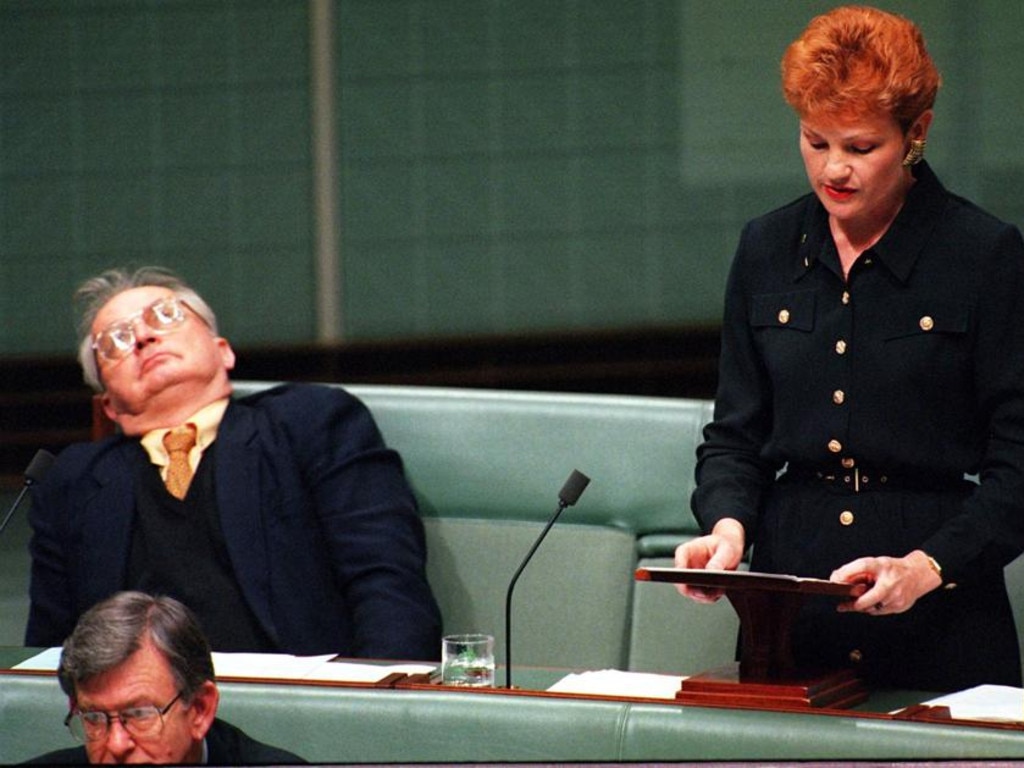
{"x":33,"y":473}
{"x":568,"y":496}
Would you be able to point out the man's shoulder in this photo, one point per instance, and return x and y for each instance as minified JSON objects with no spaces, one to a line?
{"x":229,"y":745}
{"x":294,"y":395}
{"x":78,"y":459}
{"x":301,"y":410}
{"x":70,"y":756}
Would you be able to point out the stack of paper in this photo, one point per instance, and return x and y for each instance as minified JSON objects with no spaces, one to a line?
{"x":46,"y":661}
{"x":614,"y":682}
{"x":984,"y":702}
{"x":284,"y":667}
{"x":270,"y":666}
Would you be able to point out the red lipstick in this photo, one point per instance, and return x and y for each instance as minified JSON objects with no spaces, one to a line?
{"x":839,"y":194}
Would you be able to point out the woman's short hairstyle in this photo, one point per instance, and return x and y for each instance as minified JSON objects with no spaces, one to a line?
{"x":111,"y":631}
{"x":856,"y":61}
{"x":94,"y":293}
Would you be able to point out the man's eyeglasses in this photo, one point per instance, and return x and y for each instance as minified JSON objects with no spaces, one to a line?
{"x":118,"y":339}
{"x":140,"y":722}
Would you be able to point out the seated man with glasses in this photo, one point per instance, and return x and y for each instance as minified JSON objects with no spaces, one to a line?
{"x":281,"y":519}
{"x":139,"y":676}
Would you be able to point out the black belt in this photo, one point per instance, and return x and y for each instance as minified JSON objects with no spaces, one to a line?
{"x":862,"y":478}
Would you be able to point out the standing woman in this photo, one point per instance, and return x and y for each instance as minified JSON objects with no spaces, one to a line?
{"x":872,"y":355}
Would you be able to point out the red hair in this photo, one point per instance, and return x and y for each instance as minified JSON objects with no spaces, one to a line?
{"x":855,"y":61}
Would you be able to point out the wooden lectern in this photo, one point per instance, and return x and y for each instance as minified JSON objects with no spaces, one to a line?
{"x":766,"y":674}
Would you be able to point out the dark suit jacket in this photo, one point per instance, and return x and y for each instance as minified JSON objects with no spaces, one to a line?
{"x":226,"y":745}
{"x":321,"y":528}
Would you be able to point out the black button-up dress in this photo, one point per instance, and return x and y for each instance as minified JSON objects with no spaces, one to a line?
{"x":892,"y":385}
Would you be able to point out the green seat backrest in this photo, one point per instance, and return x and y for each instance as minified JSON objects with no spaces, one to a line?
{"x":570,"y":608}
{"x":504,"y":455}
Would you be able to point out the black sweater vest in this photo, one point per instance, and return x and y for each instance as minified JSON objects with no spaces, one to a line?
{"x":178,"y":549}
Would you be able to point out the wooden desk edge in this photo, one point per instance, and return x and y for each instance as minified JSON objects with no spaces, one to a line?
{"x":398,"y":681}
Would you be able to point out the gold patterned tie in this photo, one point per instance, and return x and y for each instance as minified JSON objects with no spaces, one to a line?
{"x":178,"y":443}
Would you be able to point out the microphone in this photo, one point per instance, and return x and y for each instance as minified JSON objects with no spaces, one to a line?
{"x":33,"y":474}
{"x":569,"y":495}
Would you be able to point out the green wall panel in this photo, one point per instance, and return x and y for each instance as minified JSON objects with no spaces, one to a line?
{"x":143,"y":131}
{"x":503,"y":165}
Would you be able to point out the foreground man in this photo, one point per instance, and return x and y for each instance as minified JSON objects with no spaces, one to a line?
{"x":139,"y":676}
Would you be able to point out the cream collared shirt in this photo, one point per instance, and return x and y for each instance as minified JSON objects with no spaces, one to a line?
{"x":207,"y":422}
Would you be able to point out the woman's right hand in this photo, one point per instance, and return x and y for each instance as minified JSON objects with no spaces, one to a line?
{"x":720,"y":550}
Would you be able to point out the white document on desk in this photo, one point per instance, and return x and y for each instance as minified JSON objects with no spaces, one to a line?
{"x":45,"y":661}
{"x":269,"y":666}
{"x":614,"y":682}
{"x":279,"y":666}
{"x":984,"y":702}
{"x":353,"y":672}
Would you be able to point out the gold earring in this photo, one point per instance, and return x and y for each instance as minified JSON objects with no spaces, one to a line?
{"x":915,"y":154}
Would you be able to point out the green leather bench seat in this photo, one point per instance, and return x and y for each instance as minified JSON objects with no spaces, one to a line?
{"x":449,"y":726}
{"x":335,"y":725}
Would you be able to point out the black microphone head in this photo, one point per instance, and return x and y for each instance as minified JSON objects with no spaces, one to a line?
{"x":38,"y":467}
{"x":573,"y":488}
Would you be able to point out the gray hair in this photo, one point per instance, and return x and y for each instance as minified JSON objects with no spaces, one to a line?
{"x":94,"y":293}
{"x":111,"y":631}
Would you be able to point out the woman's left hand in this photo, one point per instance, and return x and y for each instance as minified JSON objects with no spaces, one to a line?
{"x":896,"y":583}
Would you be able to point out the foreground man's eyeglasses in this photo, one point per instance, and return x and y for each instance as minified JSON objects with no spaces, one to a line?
{"x":140,"y":722}
{"x":118,"y":339}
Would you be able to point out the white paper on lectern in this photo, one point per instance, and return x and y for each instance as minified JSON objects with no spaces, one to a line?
{"x":984,"y":702}
{"x":614,"y":682}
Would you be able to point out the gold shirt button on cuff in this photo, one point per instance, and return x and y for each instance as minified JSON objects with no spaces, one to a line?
{"x":783,"y":316}
{"x":856,"y":656}
{"x":846,"y":517}
{"x":926,"y":323}
{"x":848,"y":463}
{"x":840,"y":347}
{"x":835,"y":446}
